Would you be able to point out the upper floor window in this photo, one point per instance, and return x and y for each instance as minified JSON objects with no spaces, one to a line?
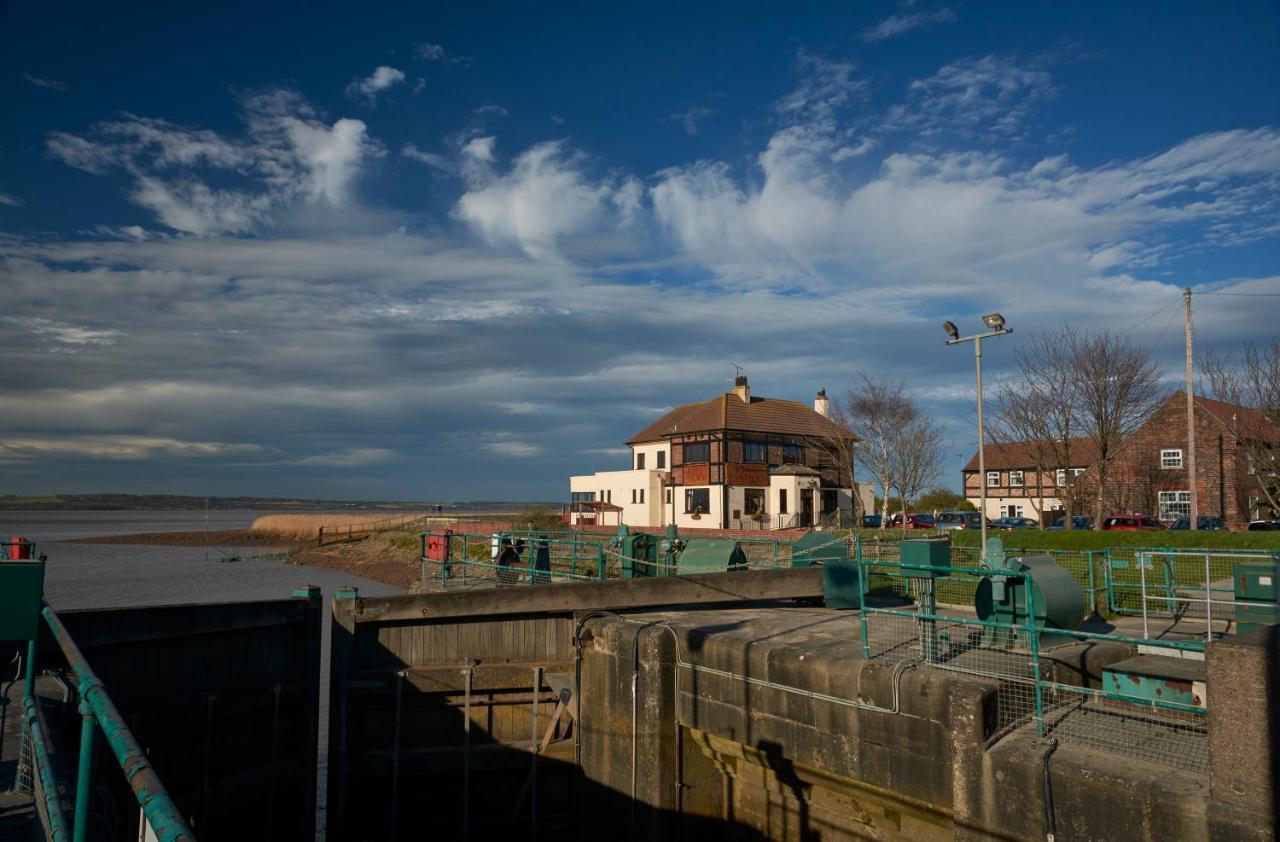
{"x":582,"y":496}
{"x":792,"y":454}
{"x":1015,"y":479}
{"x":754,"y":451}
{"x":1171,"y":458}
{"x":662,"y":459}
{"x":1075,"y":472}
{"x":993,"y":479}
{"x":640,"y":461}
{"x":1060,"y":477}
{"x":700,"y":452}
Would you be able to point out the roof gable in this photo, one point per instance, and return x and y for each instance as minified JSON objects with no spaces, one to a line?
{"x":728,"y":412}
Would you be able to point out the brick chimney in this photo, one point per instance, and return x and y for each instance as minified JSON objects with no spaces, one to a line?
{"x":821,"y":405}
{"x":741,"y":389}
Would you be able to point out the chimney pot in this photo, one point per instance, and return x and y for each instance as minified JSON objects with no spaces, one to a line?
{"x":821,"y":405}
{"x":741,"y":389}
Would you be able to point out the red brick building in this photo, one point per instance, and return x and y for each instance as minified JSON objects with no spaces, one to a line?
{"x":1149,"y":474}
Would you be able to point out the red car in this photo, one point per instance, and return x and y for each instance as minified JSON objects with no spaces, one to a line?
{"x":1131,"y":523}
{"x":913,"y":522}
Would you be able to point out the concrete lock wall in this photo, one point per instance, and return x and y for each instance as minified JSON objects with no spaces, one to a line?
{"x":696,"y":715}
{"x":224,"y":700}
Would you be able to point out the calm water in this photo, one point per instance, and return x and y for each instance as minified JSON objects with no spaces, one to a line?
{"x":117,"y":575}
{"x":120,"y":575}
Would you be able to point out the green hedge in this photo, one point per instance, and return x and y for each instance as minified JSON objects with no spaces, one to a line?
{"x":1036,"y":539}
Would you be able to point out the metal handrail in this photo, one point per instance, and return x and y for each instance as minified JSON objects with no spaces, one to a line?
{"x":160,"y":811}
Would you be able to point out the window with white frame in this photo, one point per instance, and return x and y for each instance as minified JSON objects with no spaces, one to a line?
{"x":1075,"y":472}
{"x":1171,"y":458}
{"x":1011,"y":511}
{"x":1015,"y":479}
{"x":1175,"y":504}
{"x":1060,"y":477}
{"x":993,"y":479}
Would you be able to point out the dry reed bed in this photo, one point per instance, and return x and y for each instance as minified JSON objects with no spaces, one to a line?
{"x":307,"y":527}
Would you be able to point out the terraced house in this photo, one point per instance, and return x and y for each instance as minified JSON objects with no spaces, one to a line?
{"x":736,"y":461}
{"x":1023,"y":478}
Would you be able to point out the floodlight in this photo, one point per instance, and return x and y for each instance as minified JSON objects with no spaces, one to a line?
{"x":995,"y":321}
{"x":951,"y":329}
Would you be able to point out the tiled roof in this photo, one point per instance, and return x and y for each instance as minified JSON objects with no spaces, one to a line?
{"x":1250,"y":423}
{"x":728,"y":412}
{"x":1023,"y":454}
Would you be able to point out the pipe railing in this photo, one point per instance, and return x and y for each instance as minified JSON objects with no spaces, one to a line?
{"x":99,"y":713}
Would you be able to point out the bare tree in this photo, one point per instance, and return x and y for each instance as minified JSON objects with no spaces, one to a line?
{"x":1038,"y":406}
{"x":1116,"y":385}
{"x":916,"y":460}
{"x":877,"y":412}
{"x":1254,"y":385}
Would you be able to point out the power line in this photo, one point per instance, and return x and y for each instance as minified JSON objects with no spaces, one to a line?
{"x":1244,"y":294}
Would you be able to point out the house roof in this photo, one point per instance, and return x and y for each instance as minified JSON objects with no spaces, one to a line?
{"x":1250,"y":423}
{"x":728,"y":412}
{"x":1025,"y":455}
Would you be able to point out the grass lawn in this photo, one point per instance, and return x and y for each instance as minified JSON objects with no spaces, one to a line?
{"x":1036,"y":539}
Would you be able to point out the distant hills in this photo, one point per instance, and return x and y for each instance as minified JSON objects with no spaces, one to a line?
{"x":172,"y":502}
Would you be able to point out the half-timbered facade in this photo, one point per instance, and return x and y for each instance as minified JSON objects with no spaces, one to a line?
{"x":1023,"y":480}
{"x":735,"y":461}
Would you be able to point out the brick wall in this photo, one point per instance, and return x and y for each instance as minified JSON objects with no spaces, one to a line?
{"x":1137,"y":477}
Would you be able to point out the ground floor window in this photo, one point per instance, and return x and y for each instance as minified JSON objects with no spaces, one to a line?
{"x":1011,"y":511}
{"x":782,"y":501}
{"x":1175,"y":504}
{"x":753,"y":500}
{"x":697,"y":500}
{"x":667,"y":497}
{"x":830,"y":501}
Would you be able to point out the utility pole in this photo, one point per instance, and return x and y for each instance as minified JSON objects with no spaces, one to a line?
{"x":1191,"y":422}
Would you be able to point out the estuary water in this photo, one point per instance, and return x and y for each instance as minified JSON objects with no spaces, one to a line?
{"x":129,"y":575}
{"x":125,"y":575}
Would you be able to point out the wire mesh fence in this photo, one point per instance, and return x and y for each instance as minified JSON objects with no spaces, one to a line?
{"x":904,"y":617}
{"x":468,"y":560}
{"x":1174,"y":583}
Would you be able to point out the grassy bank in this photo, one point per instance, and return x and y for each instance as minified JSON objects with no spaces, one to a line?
{"x":1036,"y":539}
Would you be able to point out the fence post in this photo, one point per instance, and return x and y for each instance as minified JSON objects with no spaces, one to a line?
{"x":1034,"y":643}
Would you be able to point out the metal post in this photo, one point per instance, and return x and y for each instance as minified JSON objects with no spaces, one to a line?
{"x":1034,"y":643}
{"x":1208,"y":590}
{"x":84,"y":774}
{"x":467,"y":673}
{"x":29,"y":680}
{"x":982,"y":458}
{"x":395,"y":756}
{"x":533,"y":772}
{"x":1142,"y":573}
{"x":1191,"y":423}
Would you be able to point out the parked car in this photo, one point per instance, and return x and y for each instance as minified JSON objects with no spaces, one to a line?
{"x":914,"y":521}
{"x":871,"y":521}
{"x":1131,"y":523}
{"x":1265,"y":526}
{"x":1077,"y":522}
{"x":1205,"y":523}
{"x":1014,"y":523}
{"x":958,"y":520}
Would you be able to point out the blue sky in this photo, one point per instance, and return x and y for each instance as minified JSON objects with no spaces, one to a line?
{"x":463,"y":252}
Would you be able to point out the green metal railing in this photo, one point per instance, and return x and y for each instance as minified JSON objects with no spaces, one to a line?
{"x":517,"y":558}
{"x":98,"y":714}
{"x":1171,"y":571}
{"x":901,"y":621}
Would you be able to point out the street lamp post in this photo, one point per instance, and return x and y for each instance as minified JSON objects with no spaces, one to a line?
{"x":995,"y":323}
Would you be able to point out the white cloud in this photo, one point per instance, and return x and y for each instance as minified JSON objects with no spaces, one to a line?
{"x":514,"y":449}
{"x":351,"y":458}
{"x":431,"y":159}
{"x":692,"y":117}
{"x":286,"y":155}
{"x":437,"y":53}
{"x":11,"y":201}
{"x":118,"y":447}
{"x":491,"y":110}
{"x":895,"y":25}
{"x":368,"y":89}
{"x":543,"y":198}
{"x":64,"y":333}
{"x":990,"y":93}
{"x":49,"y":84}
